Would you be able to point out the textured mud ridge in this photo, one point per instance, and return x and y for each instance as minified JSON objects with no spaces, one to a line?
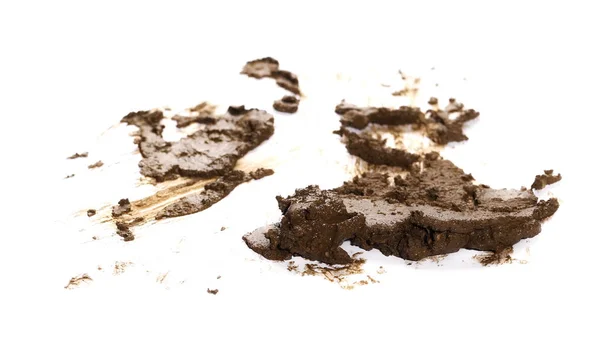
{"x":438,"y":125}
{"x":434,"y":211}
{"x":211,"y":151}
{"x":269,"y":67}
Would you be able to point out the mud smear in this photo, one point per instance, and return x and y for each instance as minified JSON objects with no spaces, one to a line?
{"x":76,"y":281}
{"x":192,"y":196}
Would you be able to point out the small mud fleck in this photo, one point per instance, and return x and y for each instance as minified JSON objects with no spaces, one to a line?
{"x":77,"y":155}
{"x":75,"y":281}
{"x":91,"y":212}
{"x":212,"y":291}
{"x":69,"y":176}
{"x":96,"y":165}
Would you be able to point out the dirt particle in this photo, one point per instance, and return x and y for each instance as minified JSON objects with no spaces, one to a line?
{"x":69,"y":176}
{"x":223,"y":228}
{"x":212,"y":291}
{"x":91,"y":212}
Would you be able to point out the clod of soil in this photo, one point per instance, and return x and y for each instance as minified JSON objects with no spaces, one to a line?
{"x":547,"y":178}
{"x":123,"y":207}
{"x":433,"y":212}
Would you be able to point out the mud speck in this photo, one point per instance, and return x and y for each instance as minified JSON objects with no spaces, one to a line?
{"x":91,"y":212}
{"x":212,"y":291}
{"x":120,"y":267}
{"x":69,"y":176}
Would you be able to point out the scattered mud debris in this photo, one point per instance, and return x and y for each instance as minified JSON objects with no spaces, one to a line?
{"x":223,"y":228}
{"x":287,"y":104}
{"x":77,"y":155}
{"x":212,"y":291}
{"x":91,"y":212}
{"x":75,"y":281}
{"x":120,"y":267}
{"x":541,"y":181}
{"x":269,"y":67}
{"x":501,"y":256}
{"x":208,"y":152}
{"x":411,"y":86}
{"x":69,"y":176}
{"x":96,"y":165}
{"x":292,"y":266}
{"x":431,"y":212}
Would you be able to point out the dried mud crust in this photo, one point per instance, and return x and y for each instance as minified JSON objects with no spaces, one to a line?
{"x":433,"y":212}
{"x":211,"y":151}
{"x":269,"y":67}
{"x":287,"y":104}
{"x":436,"y":124}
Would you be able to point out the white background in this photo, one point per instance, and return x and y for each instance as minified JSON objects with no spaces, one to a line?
{"x":70,"y":70}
